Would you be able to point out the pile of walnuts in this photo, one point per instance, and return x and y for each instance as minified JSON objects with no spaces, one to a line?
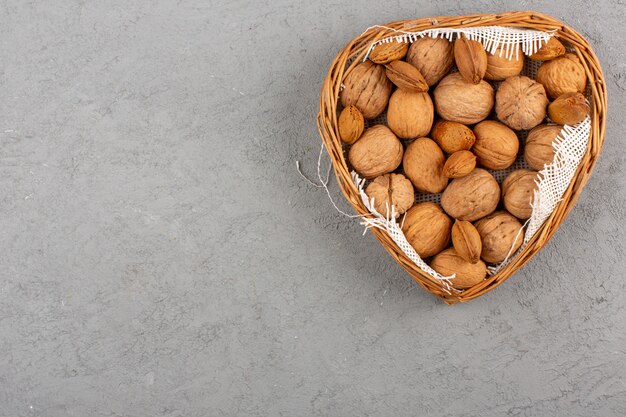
{"x":479,"y":220}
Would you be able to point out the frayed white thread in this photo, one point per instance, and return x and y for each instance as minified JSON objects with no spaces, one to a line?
{"x":324,"y":183}
{"x":492,"y":37}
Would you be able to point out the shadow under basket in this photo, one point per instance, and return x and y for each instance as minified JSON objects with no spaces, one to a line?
{"x":358,"y":49}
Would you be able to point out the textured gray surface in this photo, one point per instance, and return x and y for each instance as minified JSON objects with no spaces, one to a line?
{"x":162,"y":257}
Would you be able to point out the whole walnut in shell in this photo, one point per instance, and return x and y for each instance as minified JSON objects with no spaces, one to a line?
{"x":518,"y":192}
{"x":459,"y":101}
{"x":391,"y":190}
{"x":427,"y":228}
{"x":410,"y":115}
{"x":501,"y":234}
{"x":433,"y":57}
{"x":423,"y":165}
{"x":538,"y":150}
{"x":368,"y":88}
{"x":377,"y":152}
{"x":467,"y":274}
{"x":501,"y":67}
{"x":562,"y":75}
{"x":471,"y":197}
{"x":452,"y":136}
{"x":521,"y":103}
{"x":496,"y":145}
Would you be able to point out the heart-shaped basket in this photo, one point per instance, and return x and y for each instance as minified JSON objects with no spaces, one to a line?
{"x":580,"y":145}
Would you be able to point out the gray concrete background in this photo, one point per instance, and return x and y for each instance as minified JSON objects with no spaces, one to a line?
{"x":161,"y":257}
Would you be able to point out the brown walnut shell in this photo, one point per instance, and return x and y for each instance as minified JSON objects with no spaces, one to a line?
{"x":351,"y":124}
{"x":452,"y":136}
{"x":368,"y":88}
{"x":496,"y":145}
{"x":499,"y":67}
{"x":466,"y":240}
{"x":467,"y":274}
{"x":521,"y":103}
{"x":538,"y":150}
{"x":433,"y":57}
{"x":378,"y":152}
{"x":391,"y":190}
{"x":427,"y":228}
{"x":471,"y":59}
{"x":459,"y":164}
{"x":518,"y":192}
{"x":406,"y":77}
{"x":459,"y":101}
{"x":471,"y":197}
{"x":501,"y":234}
{"x":568,"y":109}
{"x":423,"y":165}
{"x":385,"y":52}
{"x":410,"y":115}
{"x":562,"y":75}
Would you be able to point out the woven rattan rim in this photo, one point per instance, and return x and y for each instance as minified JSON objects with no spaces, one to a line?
{"x":358,"y":47}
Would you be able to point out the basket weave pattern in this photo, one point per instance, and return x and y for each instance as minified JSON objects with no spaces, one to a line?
{"x":354,"y":52}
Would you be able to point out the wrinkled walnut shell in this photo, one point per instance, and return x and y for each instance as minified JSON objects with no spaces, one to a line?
{"x":378,"y":152}
{"x":368,"y":88}
{"x":467,"y":274}
{"x":499,"y":67}
{"x":538,"y":150}
{"x":459,"y":101}
{"x":427,"y":228}
{"x":496,"y":145}
{"x":471,"y":197}
{"x":518,"y":192}
{"x":391,"y":190}
{"x":521,"y":103}
{"x":423,"y":165}
{"x":410,"y":115}
{"x":433,"y":57}
{"x":501,"y":235}
{"x":562,"y":75}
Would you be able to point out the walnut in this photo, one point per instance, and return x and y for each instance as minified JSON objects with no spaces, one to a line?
{"x":459,"y":101}
{"x":391,"y":190}
{"x":467,"y":274}
{"x":501,"y":234}
{"x":562,"y":75}
{"x":377,"y":152}
{"x":518,"y":192}
{"x":410,"y":115}
{"x":368,"y":88}
{"x":499,"y":67}
{"x":471,"y":197}
{"x":427,"y":228}
{"x":496,"y":145}
{"x":538,"y":150}
{"x":433,"y":57}
{"x":521,"y":103}
{"x":423,"y":165}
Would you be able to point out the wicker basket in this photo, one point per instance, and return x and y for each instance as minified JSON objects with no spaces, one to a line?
{"x":359,"y":47}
